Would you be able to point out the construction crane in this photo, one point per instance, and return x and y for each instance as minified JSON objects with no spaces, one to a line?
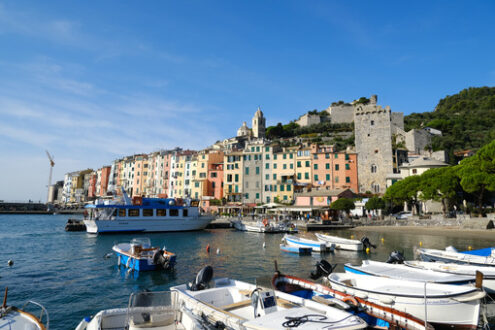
{"x":52,"y":163}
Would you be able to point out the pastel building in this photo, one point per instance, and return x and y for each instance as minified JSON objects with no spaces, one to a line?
{"x":253,"y":168}
{"x":141,"y":169}
{"x":284,"y":174}
{"x":304,"y":173}
{"x":233,"y":176}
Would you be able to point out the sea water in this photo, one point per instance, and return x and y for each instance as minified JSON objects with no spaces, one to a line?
{"x":71,"y":274}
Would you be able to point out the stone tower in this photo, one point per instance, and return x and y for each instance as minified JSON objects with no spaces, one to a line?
{"x":373,"y":129}
{"x":259,"y":124}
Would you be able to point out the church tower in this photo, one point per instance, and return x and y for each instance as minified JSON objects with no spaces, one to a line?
{"x":259,"y":124}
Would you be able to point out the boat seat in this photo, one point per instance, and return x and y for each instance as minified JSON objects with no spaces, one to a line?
{"x":348,"y":282}
{"x":236,"y":305}
{"x":323,"y":301}
{"x":285,"y":303}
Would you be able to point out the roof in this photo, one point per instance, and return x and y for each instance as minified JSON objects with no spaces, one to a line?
{"x":424,"y":162}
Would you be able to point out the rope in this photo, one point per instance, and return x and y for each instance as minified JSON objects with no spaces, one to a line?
{"x":294,"y":322}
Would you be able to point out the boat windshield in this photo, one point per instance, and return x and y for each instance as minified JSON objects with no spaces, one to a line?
{"x":152,"y":309}
{"x":144,"y":242}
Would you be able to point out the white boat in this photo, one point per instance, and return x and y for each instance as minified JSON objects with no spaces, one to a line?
{"x":15,"y":318}
{"x":139,"y":255}
{"x":144,"y":215}
{"x":403,"y":272}
{"x":450,"y":254}
{"x":146,"y":310}
{"x":455,"y":305}
{"x":340,"y":243}
{"x":458,"y":269}
{"x":234,"y":304}
{"x":264,"y":226}
{"x":296,"y":241}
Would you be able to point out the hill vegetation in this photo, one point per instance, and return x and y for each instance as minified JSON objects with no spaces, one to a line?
{"x":466,"y":120}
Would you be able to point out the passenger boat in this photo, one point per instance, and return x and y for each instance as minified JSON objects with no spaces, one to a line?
{"x":458,"y":269}
{"x":340,"y":243}
{"x":144,"y":215}
{"x":139,"y":255}
{"x":295,"y":249}
{"x":296,"y":241}
{"x":232,"y":304}
{"x":146,"y":310}
{"x":376,"y":315}
{"x":450,"y":254}
{"x":455,"y":305}
{"x":12,"y":317}
{"x":402,"y":272}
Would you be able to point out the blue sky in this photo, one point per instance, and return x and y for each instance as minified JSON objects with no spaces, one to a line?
{"x":92,"y":81}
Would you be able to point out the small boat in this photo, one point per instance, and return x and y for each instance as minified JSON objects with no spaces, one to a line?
{"x":259,"y":226}
{"x":340,"y":243}
{"x":146,"y":310}
{"x":450,"y":254}
{"x":296,"y":241}
{"x":232,"y":304}
{"x":458,"y":269}
{"x":143,"y":215}
{"x":139,"y":255}
{"x":455,"y":305}
{"x":295,"y":249}
{"x":374,"y":314}
{"x":12,"y":317}
{"x":402,"y":272}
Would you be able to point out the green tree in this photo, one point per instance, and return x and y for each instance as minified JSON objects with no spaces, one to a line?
{"x":343,"y":204}
{"x":404,"y":191}
{"x":375,"y":203}
{"x":442,"y":185}
{"x":477,"y":173}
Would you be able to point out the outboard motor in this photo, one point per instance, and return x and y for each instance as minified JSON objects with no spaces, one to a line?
{"x":366,"y":243}
{"x":263,"y":302}
{"x":202,"y":279}
{"x":396,"y":257}
{"x":323,"y":268}
{"x":160,"y":259}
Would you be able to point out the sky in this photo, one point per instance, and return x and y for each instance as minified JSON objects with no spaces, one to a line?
{"x":93,"y":81}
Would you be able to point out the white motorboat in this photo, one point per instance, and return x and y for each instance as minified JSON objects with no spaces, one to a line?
{"x":450,"y":254}
{"x":146,"y":310}
{"x":296,"y":241}
{"x":455,"y":305}
{"x":340,"y":243}
{"x":234,"y":304}
{"x":144,"y":215}
{"x":12,"y":317}
{"x":458,"y":269}
{"x":402,"y":272}
{"x":263,"y":226}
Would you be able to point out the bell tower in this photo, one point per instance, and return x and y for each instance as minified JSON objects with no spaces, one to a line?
{"x":259,"y":124}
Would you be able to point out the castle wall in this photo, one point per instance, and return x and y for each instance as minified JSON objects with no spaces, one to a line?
{"x":307,"y":120}
{"x":341,"y":113}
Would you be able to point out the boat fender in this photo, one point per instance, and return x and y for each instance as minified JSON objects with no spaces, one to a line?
{"x":350,"y":300}
{"x":265,"y":222}
{"x":396,"y":257}
{"x":202,"y":280}
{"x":386,"y":300}
{"x":118,"y":261}
{"x":366,"y":243}
{"x":323,"y":268}
{"x":208,"y":248}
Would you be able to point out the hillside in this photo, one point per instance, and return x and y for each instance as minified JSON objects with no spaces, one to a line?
{"x":466,"y":119}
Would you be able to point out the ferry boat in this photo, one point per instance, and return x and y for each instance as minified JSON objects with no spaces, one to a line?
{"x":144,"y":215}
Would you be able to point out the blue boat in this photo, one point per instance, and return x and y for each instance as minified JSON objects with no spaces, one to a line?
{"x":139,"y":255}
{"x":295,"y":241}
{"x":295,"y":249}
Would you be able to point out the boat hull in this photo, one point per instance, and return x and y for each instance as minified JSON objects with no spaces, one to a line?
{"x":314,"y":245}
{"x":147,"y":225}
{"x":142,"y":262}
{"x":456,"y":257}
{"x":295,"y":249}
{"x":340,"y":243}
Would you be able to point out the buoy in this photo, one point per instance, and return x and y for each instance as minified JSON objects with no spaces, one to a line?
{"x":383,"y":239}
{"x":469,"y":247}
{"x":420,"y":243}
{"x":352,"y":236}
{"x":368,"y":250}
{"x":264,"y":245}
{"x":10,"y":263}
{"x":218,"y":251}
{"x":208,"y":248}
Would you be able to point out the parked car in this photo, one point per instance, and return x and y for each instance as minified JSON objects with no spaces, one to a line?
{"x":402,"y":215}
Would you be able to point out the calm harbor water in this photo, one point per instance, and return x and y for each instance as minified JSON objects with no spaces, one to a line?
{"x":68,"y":274}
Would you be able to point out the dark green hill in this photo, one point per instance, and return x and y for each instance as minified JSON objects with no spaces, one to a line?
{"x":466,"y":119}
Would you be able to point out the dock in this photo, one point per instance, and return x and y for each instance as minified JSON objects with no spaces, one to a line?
{"x":322,"y":227}
{"x":219,"y":223}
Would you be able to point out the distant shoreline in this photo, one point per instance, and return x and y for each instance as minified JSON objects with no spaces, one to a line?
{"x":448,"y":231}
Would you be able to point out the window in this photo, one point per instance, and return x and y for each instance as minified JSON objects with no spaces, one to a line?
{"x":315,"y":156}
{"x":147,"y":212}
{"x":246,"y":196}
{"x":213,"y":174}
{"x":336,"y":156}
{"x":288,"y":187}
{"x":327,"y":156}
{"x":414,"y":171}
{"x":252,"y":149}
{"x":161,"y":212}
{"x":298,"y":164}
{"x":267,"y":166}
{"x":285,"y":156}
{"x":174,"y":213}
{"x":121,"y":212}
{"x":372,"y":122}
{"x":282,"y":187}
{"x":275,"y":156}
{"x":267,"y":156}
{"x":346,"y":157}
{"x":373,"y":168}
{"x":184,"y":212}
{"x":306,"y":176}
{"x":299,"y":176}
{"x":257,"y":195}
{"x":213,"y":185}
{"x":347,"y":166}
{"x":236,"y":188}
{"x":291,"y":156}
{"x":316,"y":177}
{"x":267,"y":176}
{"x":274,"y":165}
{"x":347,"y":179}
{"x":229,"y":177}
{"x":236,"y":178}
{"x":274,"y":177}
{"x":247,"y":170}
{"x":257,"y":149}
{"x":291,"y":166}
{"x":336,"y":167}
{"x":134,"y":212}
{"x":202,"y":165}
{"x":247,"y":184}
{"x":327,"y":177}
{"x":284,"y":166}
{"x":257,"y":170}
{"x":285,"y":197}
{"x":267,"y":187}
{"x":196,"y":184}
{"x":315,"y":166}
{"x":327,"y":166}
{"x":336,"y":179}
{"x":267,"y":149}
{"x":307,"y":164}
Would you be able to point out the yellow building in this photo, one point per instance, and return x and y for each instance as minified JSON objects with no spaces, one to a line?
{"x":141,"y":172}
{"x":303,"y":167}
{"x":283,"y":175}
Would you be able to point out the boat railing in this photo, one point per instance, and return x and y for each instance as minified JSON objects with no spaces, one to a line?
{"x":43,"y":312}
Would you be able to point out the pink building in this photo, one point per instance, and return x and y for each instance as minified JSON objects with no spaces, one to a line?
{"x":92,"y":186}
{"x":105,"y":175}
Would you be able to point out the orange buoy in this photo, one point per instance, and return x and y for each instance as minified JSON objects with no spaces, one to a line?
{"x":208,"y":248}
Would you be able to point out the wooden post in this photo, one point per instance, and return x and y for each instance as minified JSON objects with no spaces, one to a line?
{"x":479,"y":279}
{"x":5,"y":298}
